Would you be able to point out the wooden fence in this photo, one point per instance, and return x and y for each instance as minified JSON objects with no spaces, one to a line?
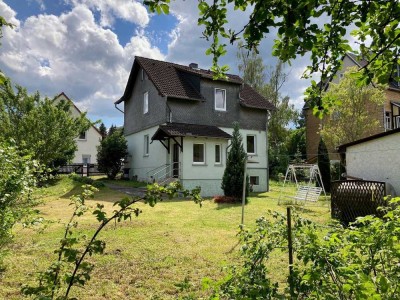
{"x":356,"y":198}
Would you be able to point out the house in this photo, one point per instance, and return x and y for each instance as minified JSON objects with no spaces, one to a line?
{"x":375,"y":158}
{"x":388,"y":113}
{"x":87,"y":141}
{"x":178,"y":123}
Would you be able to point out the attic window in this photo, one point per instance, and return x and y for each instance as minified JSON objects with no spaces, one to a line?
{"x":220,"y":99}
{"x":142,"y":73}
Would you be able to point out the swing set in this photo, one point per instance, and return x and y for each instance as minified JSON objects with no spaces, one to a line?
{"x":307,"y":191}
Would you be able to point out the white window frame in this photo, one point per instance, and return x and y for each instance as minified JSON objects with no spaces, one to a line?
{"x":220,"y":154}
{"x":146,"y":145}
{"x":145,"y":102}
{"x":388,"y":120}
{"x":255,"y":144}
{"x":215,"y":99}
{"x":204,"y":154}
{"x":84,"y":136}
{"x":257,"y":180}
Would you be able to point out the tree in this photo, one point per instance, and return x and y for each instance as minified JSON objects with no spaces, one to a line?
{"x":103,"y":130}
{"x":112,"y":129}
{"x":17,"y":179}
{"x":40,"y":127}
{"x":324,"y":165}
{"x":354,"y":115}
{"x":308,"y":27}
{"x":110,"y":154}
{"x":232,"y":181}
{"x":253,"y":71}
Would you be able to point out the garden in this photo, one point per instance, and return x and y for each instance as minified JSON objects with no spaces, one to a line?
{"x":164,"y":253}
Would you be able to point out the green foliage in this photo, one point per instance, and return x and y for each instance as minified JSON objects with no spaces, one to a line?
{"x":110,"y":153}
{"x":354,"y":114}
{"x":376,"y":32}
{"x":232,"y":180}
{"x":253,"y":71}
{"x":358,"y":262}
{"x":86,"y":180}
{"x":296,"y":145}
{"x":324,"y":165}
{"x":17,"y":180}
{"x":103,"y":130}
{"x":41,"y":128}
{"x":71,"y":267}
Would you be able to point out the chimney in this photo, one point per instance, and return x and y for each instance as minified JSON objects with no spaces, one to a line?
{"x":193,"y":66}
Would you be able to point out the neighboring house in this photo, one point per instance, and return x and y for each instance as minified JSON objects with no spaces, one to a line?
{"x":178,"y":123}
{"x":87,"y":141}
{"x":388,"y":114}
{"x":375,"y":158}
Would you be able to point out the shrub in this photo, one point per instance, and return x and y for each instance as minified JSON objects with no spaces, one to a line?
{"x":232,"y":181}
{"x":86,"y":180}
{"x":110,"y":153}
{"x":324,"y":165}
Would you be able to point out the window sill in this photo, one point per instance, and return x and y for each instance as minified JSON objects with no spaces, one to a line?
{"x":146,"y":155}
{"x":199,"y":164}
{"x":218,"y":165}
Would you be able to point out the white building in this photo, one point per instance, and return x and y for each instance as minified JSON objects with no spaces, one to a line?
{"x":87,"y":141}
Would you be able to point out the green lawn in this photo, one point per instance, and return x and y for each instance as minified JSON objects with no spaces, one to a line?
{"x":145,"y":258}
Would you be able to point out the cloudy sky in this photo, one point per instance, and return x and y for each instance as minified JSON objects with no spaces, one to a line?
{"x":85,"y":48}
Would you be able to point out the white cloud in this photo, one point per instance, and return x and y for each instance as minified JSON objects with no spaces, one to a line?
{"x":73,"y":54}
{"x":131,"y":11}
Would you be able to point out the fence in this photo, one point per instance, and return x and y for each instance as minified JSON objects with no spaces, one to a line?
{"x":81,"y":169}
{"x":356,"y":198}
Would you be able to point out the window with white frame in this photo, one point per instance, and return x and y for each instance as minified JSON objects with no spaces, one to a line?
{"x":199,"y":155}
{"x":388,"y":120}
{"x":145,"y":102}
{"x":251,"y":144}
{"x":146,"y":145}
{"x":220,"y":99}
{"x":82,"y":135}
{"x":254,"y":180}
{"x":218,"y":154}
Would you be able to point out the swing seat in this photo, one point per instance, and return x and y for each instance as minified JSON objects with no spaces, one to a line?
{"x":307,"y":193}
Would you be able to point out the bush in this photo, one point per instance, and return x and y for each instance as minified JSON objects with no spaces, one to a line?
{"x":324,"y":165}
{"x":17,"y":180}
{"x":111,"y":152}
{"x":232,"y":181}
{"x":86,"y":180}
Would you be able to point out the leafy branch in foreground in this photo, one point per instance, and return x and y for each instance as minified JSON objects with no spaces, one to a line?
{"x":315,"y":29}
{"x":358,"y":262}
{"x":70,"y":268}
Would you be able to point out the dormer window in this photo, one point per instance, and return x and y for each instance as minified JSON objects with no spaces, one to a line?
{"x":145,"y":102}
{"x":220,"y":99}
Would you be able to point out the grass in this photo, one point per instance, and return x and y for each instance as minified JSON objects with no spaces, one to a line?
{"x":174,"y":244}
{"x":121,"y":182}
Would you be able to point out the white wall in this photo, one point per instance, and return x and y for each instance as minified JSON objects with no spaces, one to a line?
{"x":207,"y":175}
{"x":86,"y":147}
{"x":377,"y":160}
{"x":139,"y":163}
{"x":257,"y":164}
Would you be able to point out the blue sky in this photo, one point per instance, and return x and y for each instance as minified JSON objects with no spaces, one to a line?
{"x":85,"y":48}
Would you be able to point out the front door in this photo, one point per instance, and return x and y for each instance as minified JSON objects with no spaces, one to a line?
{"x":175,"y":161}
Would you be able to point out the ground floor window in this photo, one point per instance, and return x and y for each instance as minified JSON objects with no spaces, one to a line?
{"x":218,"y":154}
{"x":146,"y":145}
{"x":251,"y":144}
{"x":254,"y":180}
{"x":199,"y":153}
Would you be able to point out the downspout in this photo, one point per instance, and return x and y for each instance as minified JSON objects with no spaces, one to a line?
{"x":115,"y":104}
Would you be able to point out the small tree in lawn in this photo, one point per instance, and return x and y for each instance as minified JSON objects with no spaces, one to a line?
{"x":232,"y":181}
{"x":324,"y":165}
{"x":110,"y":154}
